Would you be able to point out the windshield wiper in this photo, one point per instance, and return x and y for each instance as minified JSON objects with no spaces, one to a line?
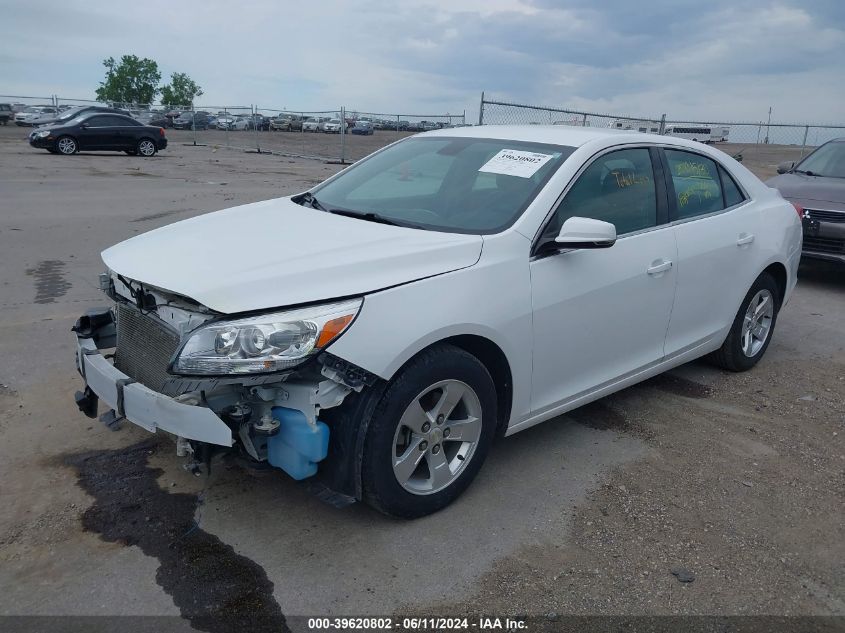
{"x":370,"y":217}
{"x":803,"y":171}
{"x":309,"y":198}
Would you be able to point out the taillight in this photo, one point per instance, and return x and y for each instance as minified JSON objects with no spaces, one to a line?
{"x":161,"y":131}
{"x":799,"y":210}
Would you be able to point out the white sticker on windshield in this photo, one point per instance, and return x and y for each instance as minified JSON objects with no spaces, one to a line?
{"x":513,"y":162}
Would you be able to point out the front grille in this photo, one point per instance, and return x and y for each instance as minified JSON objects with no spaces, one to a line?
{"x":824,"y":245}
{"x":826,"y":216}
{"x":144,"y":347}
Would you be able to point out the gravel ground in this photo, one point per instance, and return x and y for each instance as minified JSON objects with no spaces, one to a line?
{"x":697,"y":492}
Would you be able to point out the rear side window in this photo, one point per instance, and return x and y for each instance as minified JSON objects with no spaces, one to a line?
{"x":733,"y":195}
{"x":698,"y":188}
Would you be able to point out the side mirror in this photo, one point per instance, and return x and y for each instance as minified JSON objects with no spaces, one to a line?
{"x":786,"y":166}
{"x":85,"y":126}
{"x":586,"y":233}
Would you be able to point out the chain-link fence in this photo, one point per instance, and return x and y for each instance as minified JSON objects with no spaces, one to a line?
{"x":803,"y":135}
{"x":335,"y":134}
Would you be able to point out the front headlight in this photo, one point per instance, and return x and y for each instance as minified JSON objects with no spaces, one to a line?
{"x":264,"y":343}
{"x":43,"y":133}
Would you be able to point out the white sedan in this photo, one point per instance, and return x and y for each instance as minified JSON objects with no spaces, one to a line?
{"x":380,"y":330}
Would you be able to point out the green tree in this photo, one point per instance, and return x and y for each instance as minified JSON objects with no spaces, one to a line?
{"x":133,"y":80}
{"x":181,"y":91}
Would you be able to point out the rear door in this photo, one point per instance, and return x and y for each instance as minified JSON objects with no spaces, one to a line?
{"x":714,"y":224}
{"x":602,"y":314}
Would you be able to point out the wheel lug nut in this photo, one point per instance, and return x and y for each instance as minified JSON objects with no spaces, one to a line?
{"x":426,"y":427}
{"x":447,"y":432}
{"x":435,"y":449}
{"x":423,"y":445}
{"x":440,"y":419}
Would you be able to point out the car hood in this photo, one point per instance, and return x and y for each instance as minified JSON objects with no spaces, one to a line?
{"x":277,"y":253}
{"x":811,"y":189}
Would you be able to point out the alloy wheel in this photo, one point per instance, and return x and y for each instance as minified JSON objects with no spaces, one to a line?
{"x":146,"y":148}
{"x":436,"y":437}
{"x":757,"y":323}
{"x":67,"y":145}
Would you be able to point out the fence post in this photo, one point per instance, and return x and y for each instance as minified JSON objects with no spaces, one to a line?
{"x":481,"y":110}
{"x":397,"y":122}
{"x":194,"y":122}
{"x":663,"y":123}
{"x":804,"y":142}
{"x":255,"y":127}
{"x":342,"y":135}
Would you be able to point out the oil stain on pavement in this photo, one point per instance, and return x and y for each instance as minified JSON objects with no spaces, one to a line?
{"x":214,"y":587}
{"x":50,"y":282}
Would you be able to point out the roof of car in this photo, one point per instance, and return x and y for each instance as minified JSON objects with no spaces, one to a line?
{"x":557,"y":134}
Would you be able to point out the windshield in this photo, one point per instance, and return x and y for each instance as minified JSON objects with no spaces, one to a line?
{"x":828,"y":161}
{"x":461,"y":185}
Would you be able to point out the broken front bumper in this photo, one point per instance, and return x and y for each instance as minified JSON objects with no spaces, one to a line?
{"x":141,"y":405}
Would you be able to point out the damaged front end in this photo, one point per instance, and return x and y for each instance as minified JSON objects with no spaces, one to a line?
{"x":255,"y":384}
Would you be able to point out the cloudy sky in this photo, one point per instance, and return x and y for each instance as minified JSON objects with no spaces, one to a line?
{"x":707,"y":59}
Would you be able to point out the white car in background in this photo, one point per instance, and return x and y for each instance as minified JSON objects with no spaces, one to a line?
{"x":380,"y":330}
{"x":29,"y":115}
{"x":334,"y":126}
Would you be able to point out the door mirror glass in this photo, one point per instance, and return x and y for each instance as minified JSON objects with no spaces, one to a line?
{"x":786,"y":166}
{"x":586,"y":233}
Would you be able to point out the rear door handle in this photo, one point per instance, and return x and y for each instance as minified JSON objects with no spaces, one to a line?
{"x":659,"y":266}
{"x":745,"y":238}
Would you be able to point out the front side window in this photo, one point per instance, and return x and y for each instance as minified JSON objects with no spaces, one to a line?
{"x":617,"y":187}
{"x":464,"y":185}
{"x":698,"y":189}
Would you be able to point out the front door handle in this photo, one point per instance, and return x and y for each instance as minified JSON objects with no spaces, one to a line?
{"x":745,"y":238}
{"x":658,"y":267}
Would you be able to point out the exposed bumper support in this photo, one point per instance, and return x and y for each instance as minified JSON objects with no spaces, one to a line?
{"x":145,"y":407}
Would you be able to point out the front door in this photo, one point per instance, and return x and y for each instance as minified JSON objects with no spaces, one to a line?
{"x":602,"y":314}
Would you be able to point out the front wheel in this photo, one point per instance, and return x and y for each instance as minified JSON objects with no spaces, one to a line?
{"x":751,"y":331}
{"x":429,"y":434}
{"x":67,"y":145}
{"x":146,"y":147}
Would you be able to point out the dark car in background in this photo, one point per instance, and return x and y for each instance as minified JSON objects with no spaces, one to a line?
{"x":191,"y":121}
{"x":100,"y":132}
{"x":154,"y":119}
{"x":362,"y":127}
{"x":817,"y":185}
{"x":6,"y":113}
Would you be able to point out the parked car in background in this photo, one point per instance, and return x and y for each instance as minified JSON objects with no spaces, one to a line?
{"x":97,"y":132}
{"x":72,"y":112}
{"x":362,"y":127}
{"x":31,"y":113}
{"x":6,"y":113}
{"x":427,"y":126}
{"x":313,"y":124}
{"x":817,"y":185}
{"x":251,"y":122}
{"x":334,"y":126}
{"x":191,"y":121}
{"x":212,"y":122}
{"x":286,"y":122}
{"x":226,"y":122}
{"x":154,"y":119}
{"x":565,"y":264}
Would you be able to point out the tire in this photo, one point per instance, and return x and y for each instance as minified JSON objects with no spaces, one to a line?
{"x":405,"y":424}
{"x":146,"y":147}
{"x":66,"y":145}
{"x":750,"y":335}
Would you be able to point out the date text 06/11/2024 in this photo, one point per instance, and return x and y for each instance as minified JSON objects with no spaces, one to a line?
{"x":416,"y":623}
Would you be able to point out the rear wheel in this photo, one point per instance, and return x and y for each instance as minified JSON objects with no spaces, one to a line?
{"x":146,"y":147}
{"x":67,"y":145}
{"x":751,"y":331}
{"x":429,"y":434}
